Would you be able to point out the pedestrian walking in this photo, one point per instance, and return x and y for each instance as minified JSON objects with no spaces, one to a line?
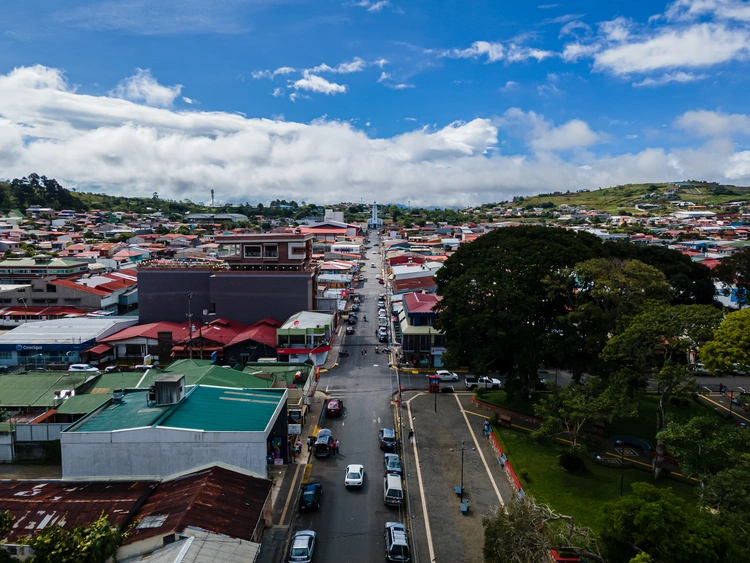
{"x":309,"y":443}
{"x":336,"y":447}
{"x":298,"y":447}
{"x":411,"y":436}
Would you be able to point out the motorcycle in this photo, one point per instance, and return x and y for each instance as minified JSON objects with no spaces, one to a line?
{"x":376,"y":350}
{"x":343,"y":353}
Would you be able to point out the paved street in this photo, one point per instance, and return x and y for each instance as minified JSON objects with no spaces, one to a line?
{"x":350,"y":523}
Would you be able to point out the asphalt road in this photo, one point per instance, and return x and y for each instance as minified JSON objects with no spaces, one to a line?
{"x":350,"y":523}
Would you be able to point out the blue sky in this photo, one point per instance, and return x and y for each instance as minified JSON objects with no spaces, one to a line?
{"x":440,"y":103}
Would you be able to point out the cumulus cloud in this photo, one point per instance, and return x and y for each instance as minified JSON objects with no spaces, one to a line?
{"x":383,"y":77}
{"x":543,"y":136}
{"x":682,"y":10}
{"x":356,"y":65}
{"x":143,"y":87}
{"x":273,"y":73}
{"x":313,"y":83}
{"x":681,"y":77}
{"x":123,"y":147}
{"x":713,"y":123}
{"x":700,"y":45}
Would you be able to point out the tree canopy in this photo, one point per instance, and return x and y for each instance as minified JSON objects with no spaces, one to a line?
{"x":735,"y":270}
{"x":730,"y":345}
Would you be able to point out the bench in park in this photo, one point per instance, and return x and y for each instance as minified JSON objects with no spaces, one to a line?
{"x":464,"y":506}
{"x":505,"y":420}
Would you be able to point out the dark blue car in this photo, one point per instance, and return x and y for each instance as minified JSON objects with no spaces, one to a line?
{"x":310,"y":497}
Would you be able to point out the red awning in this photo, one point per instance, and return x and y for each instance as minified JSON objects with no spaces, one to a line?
{"x":99,"y":349}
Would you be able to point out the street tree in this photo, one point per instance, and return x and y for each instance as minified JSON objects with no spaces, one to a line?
{"x":599,"y":293}
{"x":730,"y":345}
{"x":522,"y":531}
{"x":657,"y":342}
{"x":665,"y":527}
{"x":734,"y":270}
{"x":567,"y":409}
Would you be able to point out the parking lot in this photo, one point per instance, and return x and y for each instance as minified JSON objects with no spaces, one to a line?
{"x":433,"y":469}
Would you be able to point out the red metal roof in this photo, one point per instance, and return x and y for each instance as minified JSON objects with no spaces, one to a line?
{"x":99,"y":349}
{"x":150,"y":330}
{"x":216,"y":499}
{"x":424,"y":282}
{"x":37,"y":504}
{"x":420,"y":302}
{"x":221,"y":331}
{"x":39,"y":311}
{"x":263,"y":331}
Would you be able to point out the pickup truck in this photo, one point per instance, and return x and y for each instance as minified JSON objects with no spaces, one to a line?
{"x":483,"y":382}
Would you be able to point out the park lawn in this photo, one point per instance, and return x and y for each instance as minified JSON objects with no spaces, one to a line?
{"x":581,"y":496}
{"x":642,"y":426}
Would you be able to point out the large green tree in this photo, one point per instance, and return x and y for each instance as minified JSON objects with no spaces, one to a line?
{"x":496,"y":311}
{"x":730,"y":345}
{"x":667,"y":528}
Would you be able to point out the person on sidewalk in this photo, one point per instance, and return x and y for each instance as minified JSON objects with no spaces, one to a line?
{"x":411,"y":436}
{"x":309,"y":443}
{"x":298,"y":447}
{"x":336,"y":448}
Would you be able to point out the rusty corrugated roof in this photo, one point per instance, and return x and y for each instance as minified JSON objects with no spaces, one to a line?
{"x":216,"y":499}
{"x":38,"y":504}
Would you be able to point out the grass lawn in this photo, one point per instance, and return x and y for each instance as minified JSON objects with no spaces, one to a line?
{"x":580,"y":496}
{"x":642,"y":426}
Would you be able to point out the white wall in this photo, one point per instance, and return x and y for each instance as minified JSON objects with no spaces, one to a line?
{"x":158,"y":452}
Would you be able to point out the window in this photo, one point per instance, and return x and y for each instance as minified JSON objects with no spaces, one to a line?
{"x":297,"y":250}
{"x":271,"y":251}
{"x":6,"y":301}
{"x":6,"y":355}
{"x":72,"y":300}
{"x":252,"y":251}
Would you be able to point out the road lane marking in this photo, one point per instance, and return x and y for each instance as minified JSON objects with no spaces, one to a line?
{"x":428,"y":531}
{"x":292,"y":490}
{"x":479,"y":449}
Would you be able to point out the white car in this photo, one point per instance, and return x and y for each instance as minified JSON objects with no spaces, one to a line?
{"x":446,"y":375}
{"x":83,"y":367}
{"x":355,"y":475}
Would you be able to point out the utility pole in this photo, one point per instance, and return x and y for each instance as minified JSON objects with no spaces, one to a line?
{"x":190,"y":322}
{"x":462,"y":470}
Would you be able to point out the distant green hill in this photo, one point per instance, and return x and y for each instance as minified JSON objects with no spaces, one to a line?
{"x":619,"y":199}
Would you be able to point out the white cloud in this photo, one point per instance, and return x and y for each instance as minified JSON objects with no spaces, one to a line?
{"x":273,"y":73}
{"x":356,"y":65}
{"x":143,"y":87}
{"x":681,"y":77}
{"x":495,"y":51}
{"x":509,"y":85}
{"x":617,"y":30}
{"x":399,"y":86}
{"x":410,"y":118}
{"x":187,"y":100}
{"x":572,"y":52}
{"x":543,"y":136}
{"x":571,"y":28}
{"x":277,"y":92}
{"x":119,"y":146}
{"x":700,"y":45}
{"x":383,"y":77}
{"x":682,"y":10}
{"x":313,"y":83}
{"x":380,"y":63}
{"x":631,"y":136}
{"x":712,"y":123}
{"x":377,"y":6}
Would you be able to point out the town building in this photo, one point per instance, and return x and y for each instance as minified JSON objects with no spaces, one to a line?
{"x":422,"y":344}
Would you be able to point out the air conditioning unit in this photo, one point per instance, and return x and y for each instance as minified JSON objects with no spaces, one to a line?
{"x":169,"y":389}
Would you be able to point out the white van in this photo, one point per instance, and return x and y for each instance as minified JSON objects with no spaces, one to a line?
{"x":392,"y":491}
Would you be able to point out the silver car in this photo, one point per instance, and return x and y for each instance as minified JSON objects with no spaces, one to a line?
{"x":303,"y":546}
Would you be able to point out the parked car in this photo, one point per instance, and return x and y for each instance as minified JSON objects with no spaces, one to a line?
{"x":324,"y":443}
{"x":387,"y":438}
{"x":334,"y":407}
{"x":396,"y":543}
{"x":482,"y":382}
{"x":350,"y":330}
{"x":446,"y":375}
{"x":392,"y":464}
{"x":303,"y":546}
{"x":351,"y":320}
{"x":310,"y":497}
{"x":355,"y":475}
{"x":372,"y":265}
{"x":383,"y":338}
{"x":83,"y":367}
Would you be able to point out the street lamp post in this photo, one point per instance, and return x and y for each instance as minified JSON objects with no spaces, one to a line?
{"x":622,"y":464}
{"x":462,"y":470}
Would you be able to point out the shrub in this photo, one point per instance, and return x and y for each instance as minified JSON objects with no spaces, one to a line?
{"x":572,"y":461}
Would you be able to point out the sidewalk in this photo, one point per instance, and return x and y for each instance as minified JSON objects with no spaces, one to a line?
{"x":285,"y":495}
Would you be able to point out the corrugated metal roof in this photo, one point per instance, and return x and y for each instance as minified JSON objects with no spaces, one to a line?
{"x":216,"y":499}
{"x":38,"y":504}
{"x":36,"y":388}
{"x":82,"y":404}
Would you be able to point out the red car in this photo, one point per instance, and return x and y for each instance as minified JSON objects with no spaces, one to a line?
{"x":334,"y":407}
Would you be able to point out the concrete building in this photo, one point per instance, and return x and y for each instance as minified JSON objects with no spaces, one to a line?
{"x":264,"y":276}
{"x":305,"y":335}
{"x":421,"y":342}
{"x":170,"y":428}
{"x":374,"y":222}
{"x":58,"y":341}
{"x":23,"y":270}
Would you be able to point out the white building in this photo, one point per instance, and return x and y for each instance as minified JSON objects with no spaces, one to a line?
{"x":374,"y":222}
{"x":168,"y":429}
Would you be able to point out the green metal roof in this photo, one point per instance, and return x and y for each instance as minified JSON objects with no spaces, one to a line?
{"x":279,"y":371}
{"x":36,"y":389}
{"x":223,"y":377}
{"x":132,"y":412}
{"x":82,"y":404}
{"x":218,"y":409}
